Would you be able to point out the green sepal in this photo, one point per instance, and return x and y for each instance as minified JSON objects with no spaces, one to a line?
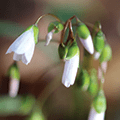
{"x":13,"y":72}
{"x":106,"y":54}
{"x":93,"y":87}
{"x":83,"y":31}
{"x":83,"y":80}
{"x":98,"y":41}
{"x":36,"y":32}
{"x":62,"y":50}
{"x":72,"y":50}
{"x":59,"y":26}
{"x":99,"y":102}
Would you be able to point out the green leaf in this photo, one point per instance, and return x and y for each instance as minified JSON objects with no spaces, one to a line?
{"x":83,"y":31}
{"x":27,"y":104}
{"x":10,"y":29}
{"x":98,"y":41}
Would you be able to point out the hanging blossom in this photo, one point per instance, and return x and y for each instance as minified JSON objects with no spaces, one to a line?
{"x":23,"y":47}
{"x":93,"y":115}
{"x":70,"y":70}
{"x":88,"y":44}
{"x":49,"y":37}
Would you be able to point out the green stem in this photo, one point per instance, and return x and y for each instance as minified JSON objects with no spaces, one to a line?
{"x":47,"y":15}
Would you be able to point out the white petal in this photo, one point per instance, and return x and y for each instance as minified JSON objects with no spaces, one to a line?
{"x":88,"y":44}
{"x":49,"y":37}
{"x":17,"y":57}
{"x":19,"y":46}
{"x":70,"y":71}
{"x":96,"y":55}
{"x":27,"y":56}
{"x":93,"y":115}
{"x":13,"y":87}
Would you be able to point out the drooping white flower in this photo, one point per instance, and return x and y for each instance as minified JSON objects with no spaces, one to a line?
{"x":88,"y":44}
{"x":70,"y":70}
{"x":93,"y":115}
{"x":49,"y":37}
{"x":23,"y":47}
{"x":13,"y":87}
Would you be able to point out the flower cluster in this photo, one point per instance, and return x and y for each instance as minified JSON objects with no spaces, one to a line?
{"x":95,"y":47}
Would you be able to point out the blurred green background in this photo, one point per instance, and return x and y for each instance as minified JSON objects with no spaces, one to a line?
{"x":42,"y":77}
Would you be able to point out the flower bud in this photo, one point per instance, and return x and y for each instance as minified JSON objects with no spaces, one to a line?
{"x":13,"y":71}
{"x":99,"y":102}
{"x":49,"y":37}
{"x":93,"y":115}
{"x":72,"y":50}
{"x":106,"y":54}
{"x":98,"y":41}
{"x":85,"y":37}
{"x":62,"y":50}
{"x":83,"y":80}
{"x":93,"y":87}
{"x":14,"y":75}
{"x":55,"y":25}
{"x":83,"y":31}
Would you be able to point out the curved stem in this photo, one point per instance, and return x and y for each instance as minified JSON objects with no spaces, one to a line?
{"x":47,"y":15}
{"x":66,"y":25}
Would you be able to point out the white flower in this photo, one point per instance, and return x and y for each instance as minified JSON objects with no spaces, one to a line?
{"x":70,"y":71}
{"x":93,"y":115}
{"x":13,"y":87}
{"x":23,"y":47}
{"x":88,"y":44}
{"x":96,"y":55}
{"x":49,"y":37}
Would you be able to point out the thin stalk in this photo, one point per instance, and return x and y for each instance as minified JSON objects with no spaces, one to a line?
{"x":47,"y":15}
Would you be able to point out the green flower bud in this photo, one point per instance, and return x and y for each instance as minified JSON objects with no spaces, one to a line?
{"x":106,"y":54}
{"x":93,"y":87}
{"x":62,"y":50}
{"x":59,"y":27}
{"x":83,"y":80}
{"x":99,"y":102}
{"x":99,"y":41}
{"x":13,"y":71}
{"x":72,"y":50}
{"x":83,"y":31}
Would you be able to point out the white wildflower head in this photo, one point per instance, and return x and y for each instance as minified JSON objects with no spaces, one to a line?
{"x":96,"y":55}
{"x":49,"y":37}
{"x":70,"y":71}
{"x":88,"y":44}
{"x":23,"y":47}
{"x":93,"y":115}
